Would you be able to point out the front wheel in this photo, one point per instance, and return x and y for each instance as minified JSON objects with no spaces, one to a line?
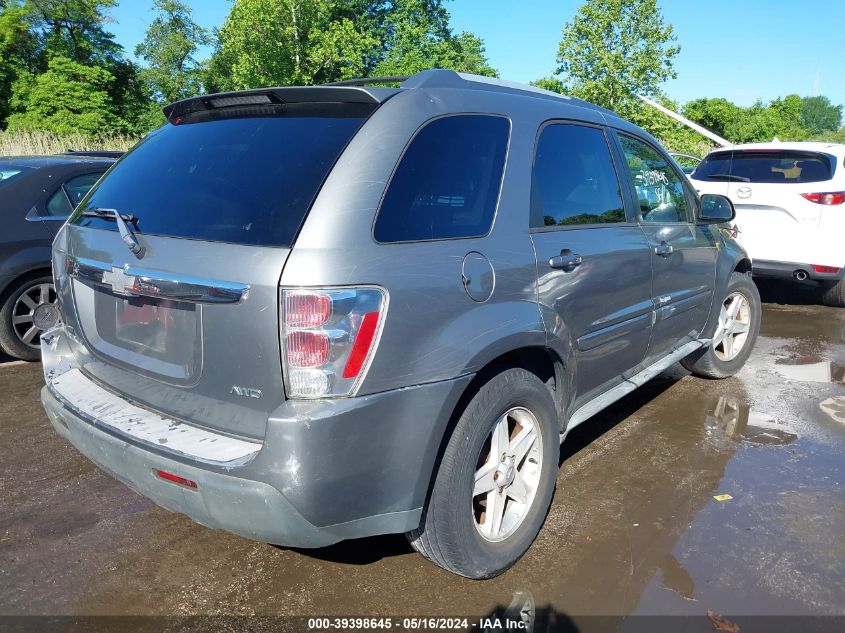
{"x":735,"y":335}
{"x":496,"y":479}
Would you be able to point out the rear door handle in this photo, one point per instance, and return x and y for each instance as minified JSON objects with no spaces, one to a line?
{"x":663,"y":249}
{"x":566,"y":261}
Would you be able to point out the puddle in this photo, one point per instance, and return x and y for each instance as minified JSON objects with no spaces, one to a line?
{"x":734,"y":419}
{"x":810,"y":368}
{"x":676,"y":578}
{"x":835,"y":408}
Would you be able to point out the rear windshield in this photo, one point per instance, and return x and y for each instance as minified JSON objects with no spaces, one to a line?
{"x":238,"y":179}
{"x":764,"y":166}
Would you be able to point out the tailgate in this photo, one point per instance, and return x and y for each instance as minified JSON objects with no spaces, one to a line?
{"x":205,"y":350}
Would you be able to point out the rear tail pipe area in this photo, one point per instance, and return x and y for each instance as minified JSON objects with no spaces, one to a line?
{"x":800,"y":275}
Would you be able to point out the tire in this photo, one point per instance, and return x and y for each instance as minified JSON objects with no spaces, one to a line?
{"x":14,"y":306}
{"x":834,"y":294}
{"x":714,"y":361}
{"x":454,"y":522}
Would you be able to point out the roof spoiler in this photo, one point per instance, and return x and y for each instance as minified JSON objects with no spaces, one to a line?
{"x":279,"y":96}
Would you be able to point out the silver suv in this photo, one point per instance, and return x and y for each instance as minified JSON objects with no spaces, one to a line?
{"x":310,"y":314}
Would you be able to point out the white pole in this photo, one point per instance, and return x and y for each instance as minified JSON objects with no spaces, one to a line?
{"x":682,"y":119}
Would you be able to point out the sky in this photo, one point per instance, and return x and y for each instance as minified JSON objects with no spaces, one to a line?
{"x":742,"y":50}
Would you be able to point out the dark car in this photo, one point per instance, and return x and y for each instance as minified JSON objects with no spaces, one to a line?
{"x":37,"y":194}
{"x":344,"y":311}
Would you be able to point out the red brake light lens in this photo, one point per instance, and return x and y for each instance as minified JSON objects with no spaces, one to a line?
{"x":361,"y":347}
{"x":825,"y":269}
{"x":307,"y":349}
{"x":829,"y":198}
{"x":307,"y":310}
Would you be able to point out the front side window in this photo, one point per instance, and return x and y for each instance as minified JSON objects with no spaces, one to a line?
{"x":447,"y":183}
{"x":660,"y":191}
{"x":574,"y":180}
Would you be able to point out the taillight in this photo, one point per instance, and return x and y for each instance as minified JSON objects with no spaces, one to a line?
{"x":828,"y":198}
{"x":328,"y":339}
{"x":825,"y":269}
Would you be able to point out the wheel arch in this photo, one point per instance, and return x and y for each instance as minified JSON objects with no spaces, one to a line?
{"x":541,"y":361}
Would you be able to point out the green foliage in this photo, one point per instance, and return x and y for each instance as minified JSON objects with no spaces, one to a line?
{"x":789,"y":119}
{"x":171,"y":41}
{"x":674,"y":136}
{"x":613,"y":50}
{"x":283,"y":42}
{"x":837,"y":136}
{"x":819,"y":115}
{"x":17,"y":48}
{"x":68,"y":98}
{"x":417,"y":37}
{"x":74,"y":29}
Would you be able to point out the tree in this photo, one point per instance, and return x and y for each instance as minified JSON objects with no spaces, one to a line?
{"x":417,"y":37}
{"x":613,"y":50}
{"x":17,"y":50}
{"x":168,"y":48}
{"x":267,"y":42}
{"x":70,"y":97}
{"x":74,"y":29}
{"x":819,"y":115}
{"x":279,"y":42}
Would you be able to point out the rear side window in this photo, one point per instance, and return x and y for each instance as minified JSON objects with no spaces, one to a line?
{"x":237,"y":179}
{"x":766,"y":167}
{"x":574,"y":180}
{"x":447,"y":183}
{"x":63,"y":202}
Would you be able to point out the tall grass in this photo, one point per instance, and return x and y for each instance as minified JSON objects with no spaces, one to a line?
{"x":29,"y":143}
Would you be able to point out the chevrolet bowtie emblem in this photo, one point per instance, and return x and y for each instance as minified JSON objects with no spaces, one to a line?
{"x":118,"y":280}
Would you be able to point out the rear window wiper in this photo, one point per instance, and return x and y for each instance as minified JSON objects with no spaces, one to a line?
{"x":121,"y":219}
{"x":727,"y":177}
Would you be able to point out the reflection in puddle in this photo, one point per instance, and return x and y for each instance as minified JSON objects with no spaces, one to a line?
{"x":737,"y":421}
{"x":676,"y":577}
{"x":810,"y":368}
{"x":835,"y":408}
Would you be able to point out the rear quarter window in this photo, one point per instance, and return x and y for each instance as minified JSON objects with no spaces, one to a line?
{"x":447,"y":183}
{"x":766,"y":167}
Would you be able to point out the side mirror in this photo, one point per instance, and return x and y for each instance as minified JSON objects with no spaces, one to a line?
{"x":715,"y":209}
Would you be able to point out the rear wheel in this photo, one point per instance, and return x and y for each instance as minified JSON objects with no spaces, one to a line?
{"x":495,"y":481}
{"x":735,"y":335}
{"x":20,"y":335}
{"x":834,"y":294}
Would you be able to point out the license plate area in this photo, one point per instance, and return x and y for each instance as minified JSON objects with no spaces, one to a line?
{"x":158,"y":337}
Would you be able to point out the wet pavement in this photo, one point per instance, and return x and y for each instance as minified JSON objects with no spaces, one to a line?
{"x":634,"y":527}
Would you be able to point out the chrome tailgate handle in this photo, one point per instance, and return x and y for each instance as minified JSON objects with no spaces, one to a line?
{"x":139,"y":282}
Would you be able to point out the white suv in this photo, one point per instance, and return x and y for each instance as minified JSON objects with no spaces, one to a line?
{"x":790,"y":208}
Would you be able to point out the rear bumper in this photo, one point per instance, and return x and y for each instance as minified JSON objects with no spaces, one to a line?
{"x":325,"y":472}
{"x":787,"y":270}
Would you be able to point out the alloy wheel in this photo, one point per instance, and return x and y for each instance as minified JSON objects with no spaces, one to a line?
{"x":24,"y":312}
{"x":507,"y":474}
{"x":733,"y":328}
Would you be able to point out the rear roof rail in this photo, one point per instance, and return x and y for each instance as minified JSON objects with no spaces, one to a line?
{"x":441,"y":78}
{"x":368,"y":81}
